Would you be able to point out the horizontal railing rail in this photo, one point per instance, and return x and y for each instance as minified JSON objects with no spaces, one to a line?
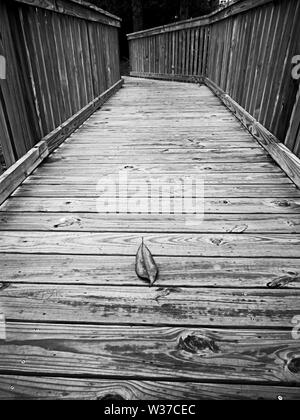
{"x":247,"y":50}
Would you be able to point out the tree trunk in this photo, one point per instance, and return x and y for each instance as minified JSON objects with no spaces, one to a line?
{"x":184,"y":9}
{"x":137,"y":15}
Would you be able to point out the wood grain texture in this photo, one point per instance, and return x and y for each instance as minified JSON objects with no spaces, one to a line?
{"x":211,"y":245}
{"x":167,"y":77}
{"x":78,"y":9}
{"x":147,"y":223}
{"x":150,"y":353}
{"x":30,"y":189}
{"x":174,"y":271}
{"x":151,"y":306}
{"x":232,"y":178}
{"x":20,"y":170}
{"x":47,"y":388}
{"x":123,"y":204}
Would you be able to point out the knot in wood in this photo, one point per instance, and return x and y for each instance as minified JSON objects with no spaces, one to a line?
{"x":294,"y":365}
{"x":197,"y":344}
{"x":111,"y":397}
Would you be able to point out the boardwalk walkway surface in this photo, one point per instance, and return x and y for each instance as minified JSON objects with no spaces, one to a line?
{"x":218,"y":322}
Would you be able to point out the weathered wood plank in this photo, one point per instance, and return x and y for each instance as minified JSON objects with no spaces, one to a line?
{"x":78,"y":9}
{"x":6,"y":146}
{"x":235,"y":178}
{"x":177,"y":170}
{"x":156,"y":353}
{"x":124,"y":204}
{"x":174,"y":271}
{"x":46,"y":388}
{"x":213,"y":245}
{"x":122,"y":222}
{"x":18,"y":172}
{"x":160,"y":144}
{"x":167,"y":77}
{"x":151,"y":306}
{"x":30,"y":189}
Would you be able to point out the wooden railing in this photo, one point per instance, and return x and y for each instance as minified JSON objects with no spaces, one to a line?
{"x":62,"y":62}
{"x":244,"y":51}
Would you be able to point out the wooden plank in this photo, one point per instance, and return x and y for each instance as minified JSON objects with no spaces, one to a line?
{"x":207,"y":156}
{"x":263,"y":61}
{"x":124,"y":143}
{"x":99,"y":351}
{"x":87,"y":61}
{"x":297,"y":144}
{"x":202,"y":156}
{"x":279,"y":152}
{"x":45,"y":31}
{"x":235,"y":308}
{"x":235,"y":178}
{"x":19,"y":171}
{"x":244,"y":273}
{"x":156,"y":168}
{"x":27,"y":219}
{"x":36,"y":54}
{"x":46,"y":388}
{"x":80,"y":64}
{"x":294,"y":125}
{"x":166,"y":77}
{"x":71,"y":45}
{"x":122,"y":202}
{"x":62,"y":65}
{"x":241,"y":82}
{"x":30,"y":189}
{"x":93,"y":55}
{"x":78,"y":9}
{"x":6,"y":143}
{"x":189,"y":244}
{"x":253,"y":68}
{"x":28,"y":24}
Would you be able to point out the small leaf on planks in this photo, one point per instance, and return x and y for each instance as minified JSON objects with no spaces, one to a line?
{"x":146,"y":267}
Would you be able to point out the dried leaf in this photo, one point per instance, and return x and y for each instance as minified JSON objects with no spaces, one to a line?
{"x":146,"y":267}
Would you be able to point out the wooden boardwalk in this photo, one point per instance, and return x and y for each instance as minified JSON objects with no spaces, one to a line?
{"x":218,"y":322}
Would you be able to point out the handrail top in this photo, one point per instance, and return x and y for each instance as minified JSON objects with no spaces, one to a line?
{"x":239,"y":6}
{"x":64,"y":6}
{"x":97,"y":9}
